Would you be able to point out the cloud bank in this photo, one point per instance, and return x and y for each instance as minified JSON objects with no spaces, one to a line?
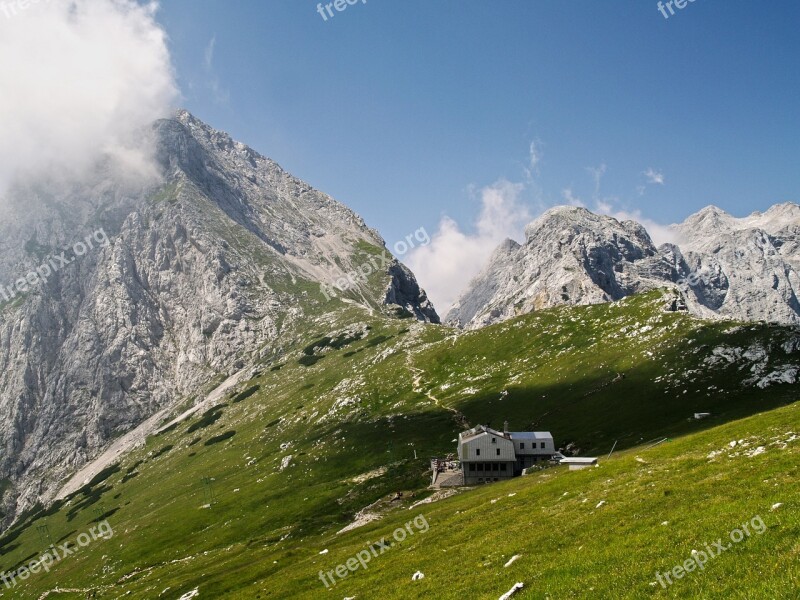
{"x":454,"y":257}
{"x":80,"y":79}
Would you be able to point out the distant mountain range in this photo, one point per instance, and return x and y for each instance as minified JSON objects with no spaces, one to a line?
{"x":744,"y":269}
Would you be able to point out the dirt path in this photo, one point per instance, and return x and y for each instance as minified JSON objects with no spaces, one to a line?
{"x":416,"y":386}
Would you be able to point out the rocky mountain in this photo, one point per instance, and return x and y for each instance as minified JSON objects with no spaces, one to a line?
{"x":746,"y":269}
{"x":156,"y":287}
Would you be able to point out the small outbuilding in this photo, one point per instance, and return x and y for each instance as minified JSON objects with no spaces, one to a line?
{"x":577,"y":463}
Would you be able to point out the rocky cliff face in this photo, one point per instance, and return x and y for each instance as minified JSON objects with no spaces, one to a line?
{"x":747,"y":269}
{"x":193,"y":274}
{"x":743,"y":269}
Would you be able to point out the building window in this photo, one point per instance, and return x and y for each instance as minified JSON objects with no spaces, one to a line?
{"x":494,"y":440}
{"x":477,"y":451}
{"x":495,"y":467}
{"x":542,"y":445}
{"x":472,"y":466}
{"x":503,"y":466}
{"x":498,"y":452}
{"x":480,"y":466}
{"x":522,"y":445}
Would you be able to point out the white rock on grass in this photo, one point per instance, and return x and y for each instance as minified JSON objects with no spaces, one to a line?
{"x":511,"y":561}
{"x":514,"y":589}
{"x":417,"y":576}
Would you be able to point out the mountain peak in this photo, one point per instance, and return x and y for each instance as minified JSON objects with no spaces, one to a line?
{"x":206,"y":271}
{"x":573,"y":256}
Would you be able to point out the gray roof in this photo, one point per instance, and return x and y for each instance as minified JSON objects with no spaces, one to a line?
{"x":531,"y":435}
{"x":470,"y":433}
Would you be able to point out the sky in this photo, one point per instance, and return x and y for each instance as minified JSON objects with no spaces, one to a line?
{"x":466,"y":118}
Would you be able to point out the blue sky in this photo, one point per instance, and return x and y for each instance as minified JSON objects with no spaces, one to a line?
{"x":410,"y":111}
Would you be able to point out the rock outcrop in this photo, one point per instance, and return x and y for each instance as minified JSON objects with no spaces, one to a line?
{"x":745,"y":269}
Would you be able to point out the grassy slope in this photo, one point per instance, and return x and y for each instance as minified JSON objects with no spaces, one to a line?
{"x":357,"y":410}
{"x":660,"y":504}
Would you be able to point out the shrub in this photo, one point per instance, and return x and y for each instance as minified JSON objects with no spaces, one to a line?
{"x":319,"y":344}
{"x":246,"y":394}
{"x":378,"y":340}
{"x":208,"y":418}
{"x":307,"y":361}
{"x":164,"y":450}
{"x":220,"y":438}
{"x":172,"y":427}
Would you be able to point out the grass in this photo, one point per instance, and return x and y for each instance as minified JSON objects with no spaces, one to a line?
{"x":246,"y":515}
{"x":657,"y":506}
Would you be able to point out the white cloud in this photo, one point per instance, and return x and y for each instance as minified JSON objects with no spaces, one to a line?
{"x":208,"y":60}
{"x":606,"y":205}
{"x":654,"y":177}
{"x":571,"y":198}
{"x":603,"y":207}
{"x":660,"y":234}
{"x":219,"y":94}
{"x":534,"y":158}
{"x":535,"y":154}
{"x":597,"y":176}
{"x":80,"y":79}
{"x":446,"y":265}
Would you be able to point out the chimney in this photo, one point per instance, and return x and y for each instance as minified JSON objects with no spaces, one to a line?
{"x":505,"y":428}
